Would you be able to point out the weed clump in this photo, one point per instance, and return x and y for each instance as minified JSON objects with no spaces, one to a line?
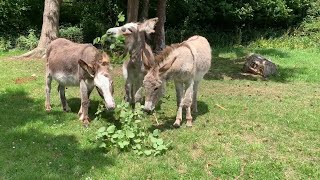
{"x":130,"y":134}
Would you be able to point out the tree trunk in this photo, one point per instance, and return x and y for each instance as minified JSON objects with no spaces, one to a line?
{"x":50,"y":28}
{"x":159,"y":36}
{"x":145,"y":10}
{"x":132,"y":10}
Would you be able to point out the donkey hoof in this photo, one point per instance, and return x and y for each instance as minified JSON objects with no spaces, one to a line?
{"x":189,"y":122}
{"x":86,"y":123}
{"x":48,"y":108}
{"x":176,"y":125}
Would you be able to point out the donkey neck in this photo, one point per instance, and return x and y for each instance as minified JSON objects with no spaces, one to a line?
{"x":135,"y":45}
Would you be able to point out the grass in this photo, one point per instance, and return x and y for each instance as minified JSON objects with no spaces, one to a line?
{"x":246,"y":128}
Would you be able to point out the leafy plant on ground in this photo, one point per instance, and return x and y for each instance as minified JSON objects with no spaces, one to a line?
{"x":131,"y":135}
{"x":113,"y":45}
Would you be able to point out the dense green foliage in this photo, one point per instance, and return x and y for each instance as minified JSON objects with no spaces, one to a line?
{"x":224,"y":21}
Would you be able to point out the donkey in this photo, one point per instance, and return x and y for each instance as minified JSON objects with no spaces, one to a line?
{"x":186,"y":63}
{"x":72,"y":64}
{"x":140,"y":54}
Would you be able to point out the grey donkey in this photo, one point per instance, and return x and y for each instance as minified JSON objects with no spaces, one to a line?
{"x":72,"y":64}
{"x":140,"y":54}
{"x":186,"y":63}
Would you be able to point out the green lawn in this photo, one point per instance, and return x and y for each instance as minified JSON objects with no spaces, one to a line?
{"x":246,"y":128}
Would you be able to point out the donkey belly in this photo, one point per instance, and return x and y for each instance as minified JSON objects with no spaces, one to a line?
{"x":66,"y":79}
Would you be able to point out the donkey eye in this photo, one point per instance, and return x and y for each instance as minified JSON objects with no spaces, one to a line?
{"x":156,"y":88}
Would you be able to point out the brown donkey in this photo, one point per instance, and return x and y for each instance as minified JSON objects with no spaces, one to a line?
{"x":140,"y":54}
{"x":72,"y":64}
{"x":186,"y":63}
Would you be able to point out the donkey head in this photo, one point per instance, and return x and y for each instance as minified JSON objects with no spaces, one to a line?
{"x":99,"y":71}
{"x":129,"y":28}
{"x":154,"y":84}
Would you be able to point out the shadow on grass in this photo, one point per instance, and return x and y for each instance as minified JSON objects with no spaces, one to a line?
{"x":32,"y":155}
{"x":27,"y":153}
{"x":167,"y":121}
{"x":231,"y":68}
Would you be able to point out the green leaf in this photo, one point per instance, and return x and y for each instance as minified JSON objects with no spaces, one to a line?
{"x":121,"y":19}
{"x":112,"y":46}
{"x":159,"y":141}
{"x":153,"y":139}
{"x":156,"y":132}
{"x":96,"y":40}
{"x":111,"y":129}
{"x":104,"y":38}
{"x":147,"y":152}
{"x":115,"y":136}
{"x":130,"y":134}
{"x":121,"y":145}
{"x":103,"y":145}
{"x":125,"y":143}
{"x":137,"y":140}
{"x":138,"y":146}
{"x":102,"y":129}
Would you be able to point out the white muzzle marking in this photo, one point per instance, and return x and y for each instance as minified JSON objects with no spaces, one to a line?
{"x":103,"y":83}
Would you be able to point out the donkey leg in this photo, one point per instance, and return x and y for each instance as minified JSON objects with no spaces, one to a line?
{"x":84,"y":117}
{"x":138,"y":97}
{"x":194,"y":106}
{"x":179,"y":93}
{"x":127,"y":91}
{"x":63,"y":99}
{"x":187,"y":102}
{"x":89,"y":92}
{"x":48,"y":90}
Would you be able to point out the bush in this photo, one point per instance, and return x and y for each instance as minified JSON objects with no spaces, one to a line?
{"x":5,"y":44}
{"x":72,"y":33}
{"x":27,"y":42}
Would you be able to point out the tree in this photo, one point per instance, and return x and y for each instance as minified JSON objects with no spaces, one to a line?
{"x":50,"y":28}
{"x":132,"y":10}
{"x":159,"y":36}
{"x":145,"y":10}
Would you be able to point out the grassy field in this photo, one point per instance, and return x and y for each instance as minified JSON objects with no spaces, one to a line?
{"x":246,"y":128}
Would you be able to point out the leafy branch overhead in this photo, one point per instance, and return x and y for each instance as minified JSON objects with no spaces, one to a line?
{"x":113,"y":45}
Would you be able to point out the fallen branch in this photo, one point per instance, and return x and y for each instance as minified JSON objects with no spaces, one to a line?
{"x":221,"y":107}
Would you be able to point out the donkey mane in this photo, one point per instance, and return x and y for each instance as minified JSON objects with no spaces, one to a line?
{"x":168,"y":50}
{"x":165,"y":53}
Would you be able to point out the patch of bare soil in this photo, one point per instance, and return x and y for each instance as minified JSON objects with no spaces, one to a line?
{"x":23,"y":80}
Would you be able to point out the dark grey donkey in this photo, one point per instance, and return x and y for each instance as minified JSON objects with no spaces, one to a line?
{"x":72,"y":64}
{"x":140,"y":53}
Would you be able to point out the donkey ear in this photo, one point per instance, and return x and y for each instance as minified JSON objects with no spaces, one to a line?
{"x":165,"y":66}
{"x":86,"y":67}
{"x":105,"y":59}
{"x":149,"y":25}
{"x":147,"y":59}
